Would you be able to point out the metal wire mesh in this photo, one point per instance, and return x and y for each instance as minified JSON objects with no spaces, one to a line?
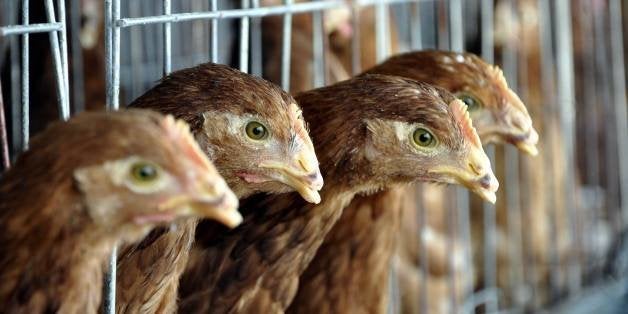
{"x":580,"y":74}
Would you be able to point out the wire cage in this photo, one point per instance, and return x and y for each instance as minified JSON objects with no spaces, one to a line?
{"x":557,"y":231}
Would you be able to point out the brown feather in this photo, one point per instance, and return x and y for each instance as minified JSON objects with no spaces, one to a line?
{"x":458,"y":73}
{"x":255,"y":268}
{"x":148,"y":273}
{"x":54,"y":246}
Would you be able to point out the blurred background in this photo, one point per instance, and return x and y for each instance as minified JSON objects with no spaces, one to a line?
{"x":556,"y":239}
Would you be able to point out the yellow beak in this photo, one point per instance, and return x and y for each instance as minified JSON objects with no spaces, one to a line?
{"x":303,"y":175}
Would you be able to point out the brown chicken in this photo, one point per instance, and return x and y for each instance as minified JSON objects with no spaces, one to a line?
{"x":253,"y":132}
{"x":500,"y":117}
{"x":370,"y":132}
{"x":86,"y":185}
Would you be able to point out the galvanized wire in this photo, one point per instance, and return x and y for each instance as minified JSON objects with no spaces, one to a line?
{"x":4,"y":140}
{"x":489,"y":215}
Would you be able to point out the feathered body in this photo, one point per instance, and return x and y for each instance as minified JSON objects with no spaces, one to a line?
{"x":218,"y":102}
{"x":61,"y":216}
{"x":499,"y":117}
{"x":359,"y":128}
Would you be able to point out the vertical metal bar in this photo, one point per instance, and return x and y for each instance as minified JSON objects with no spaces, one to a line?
{"x":356,"y":66}
{"x":63,"y":47}
{"x":318,"y":51}
{"x":58,"y":64}
{"x":565,"y":70}
{"x":167,"y":61}
{"x":381,"y":34}
{"x":78,"y":83}
{"x":511,"y":167}
{"x":286,"y":44}
{"x":213,"y":46}
{"x":455,"y":23}
{"x":4,"y":141}
{"x":490,"y":234}
{"x":112,"y":73}
{"x":547,"y":85}
{"x":25,"y":79}
{"x":115,"y":74}
{"x":109,"y":295}
{"x":619,"y":95}
{"x":256,"y":42}
{"x":244,"y":40}
{"x":462,"y":195}
{"x":15,"y":104}
{"x":109,"y":52}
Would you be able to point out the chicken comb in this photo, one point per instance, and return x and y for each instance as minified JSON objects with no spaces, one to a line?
{"x":461,"y":115}
{"x":179,"y":132}
{"x":500,"y":79}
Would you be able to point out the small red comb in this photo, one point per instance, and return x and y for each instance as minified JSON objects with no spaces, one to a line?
{"x":461,"y":115}
{"x":179,"y":132}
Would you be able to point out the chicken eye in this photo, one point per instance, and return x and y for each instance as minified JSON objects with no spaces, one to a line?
{"x":144,"y":172}
{"x":423,"y":138}
{"x":256,"y":130}
{"x":471,"y":102}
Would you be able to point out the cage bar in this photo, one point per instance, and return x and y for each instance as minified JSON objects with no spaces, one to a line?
{"x":489,"y":214}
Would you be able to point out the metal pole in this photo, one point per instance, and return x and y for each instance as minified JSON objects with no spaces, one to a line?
{"x":619,"y":95}
{"x":548,"y":87}
{"x":286,"y":44}
{"x":490,"y":234}
{"x":566,"y":99}
{"x":244,"y":40}
{"x":214,"y":34}
{"x":511,"y":168}
{"x":381,"y":34}
{"x":4,"y":141}
{"x":15,"y":104}
{"x":25,"y":79}
{"x":112,"y":72}
{"x":167,"y":61}
{"x":59,"y":65}
{"x":462,"y":195}
{"x":63,"y":47}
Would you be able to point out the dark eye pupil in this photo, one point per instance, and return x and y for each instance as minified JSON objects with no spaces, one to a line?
{"x":146,"y":172}
{"x":425,"y":137}
{"x":470,"y":102}
{"x":258,"y":130}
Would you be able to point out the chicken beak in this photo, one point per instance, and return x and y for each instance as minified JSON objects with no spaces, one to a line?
{"x":527,"y":144}
{"x":208,"y":200}
{"x":223,"y":208}
{"x":476,"y":175}
{"x":303,"y":175}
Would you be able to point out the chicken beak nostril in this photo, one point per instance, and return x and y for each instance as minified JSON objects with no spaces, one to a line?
{"x":486,"y":181}
{"x":315,"y":179}
{"x":477,"y":169}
